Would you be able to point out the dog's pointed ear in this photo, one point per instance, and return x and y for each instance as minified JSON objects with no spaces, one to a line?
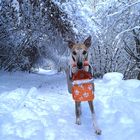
{"x":87,"y":42}
{"x":70,"y":44}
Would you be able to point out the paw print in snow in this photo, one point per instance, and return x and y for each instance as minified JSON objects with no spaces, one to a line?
{"x":86,"y":94}
{"x":76,"y":92}
{"x":90,"y":87}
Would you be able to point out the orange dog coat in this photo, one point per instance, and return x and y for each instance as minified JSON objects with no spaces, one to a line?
{"x":84,"y":91}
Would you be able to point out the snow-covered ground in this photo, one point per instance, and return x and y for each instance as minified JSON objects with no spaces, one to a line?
{"x":39,"y":107}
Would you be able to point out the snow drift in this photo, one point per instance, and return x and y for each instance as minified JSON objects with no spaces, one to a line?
{"x":39,"y":107}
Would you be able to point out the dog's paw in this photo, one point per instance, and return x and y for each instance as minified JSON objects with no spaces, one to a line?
{"x":78,"y":122}
{"x":98,"y":131}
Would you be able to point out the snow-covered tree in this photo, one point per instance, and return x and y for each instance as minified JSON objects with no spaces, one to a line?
{"x":116,"y":22}
{"x":26,"y":34}
{"x":36,"y":32}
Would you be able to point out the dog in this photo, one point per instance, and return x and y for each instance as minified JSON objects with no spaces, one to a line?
{"x":79,"y":54}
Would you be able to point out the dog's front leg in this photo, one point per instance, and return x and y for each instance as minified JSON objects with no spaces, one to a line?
{"x":78,"y":112}
{"x":95,"y":124}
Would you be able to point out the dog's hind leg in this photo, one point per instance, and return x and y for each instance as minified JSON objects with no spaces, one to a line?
{"x":78,"y":112}
{"x":95,"y":124}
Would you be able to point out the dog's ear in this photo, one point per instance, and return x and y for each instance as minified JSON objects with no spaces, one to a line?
{"x":87,"y":42}
{"x":70,"y":44}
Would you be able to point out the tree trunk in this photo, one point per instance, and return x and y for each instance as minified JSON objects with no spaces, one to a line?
{"x":137,"y":41}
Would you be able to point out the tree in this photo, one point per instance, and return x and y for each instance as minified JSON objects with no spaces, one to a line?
{"x":117,"y":19}
{"x":35,"y":33}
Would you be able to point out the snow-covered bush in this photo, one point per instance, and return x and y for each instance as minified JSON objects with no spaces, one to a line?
{"x":26,"y":34}
{"x":118,"y":35}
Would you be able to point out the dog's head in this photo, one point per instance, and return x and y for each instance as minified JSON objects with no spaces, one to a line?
{"x":79,"y":52}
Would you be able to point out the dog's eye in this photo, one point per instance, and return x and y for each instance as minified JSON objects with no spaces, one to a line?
{"x":74,"y":53}
{"x":84,"y":52}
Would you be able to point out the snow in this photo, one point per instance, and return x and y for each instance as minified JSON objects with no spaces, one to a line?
{"x":47,"y":72}
{"x":80,"y":15}
{"x":38,"y":107}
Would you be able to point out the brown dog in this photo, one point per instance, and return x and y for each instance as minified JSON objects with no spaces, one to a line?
{"x":79,"y":54}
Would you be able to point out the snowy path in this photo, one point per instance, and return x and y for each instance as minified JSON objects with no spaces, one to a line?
{"x":38,"y":107}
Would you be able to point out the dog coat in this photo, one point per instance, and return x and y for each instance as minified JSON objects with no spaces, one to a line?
{"x":82,"y":91}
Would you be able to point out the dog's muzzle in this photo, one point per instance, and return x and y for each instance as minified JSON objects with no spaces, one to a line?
{"x":79,"y":65}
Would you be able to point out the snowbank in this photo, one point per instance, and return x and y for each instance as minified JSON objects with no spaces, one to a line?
{"x":39,"y":107}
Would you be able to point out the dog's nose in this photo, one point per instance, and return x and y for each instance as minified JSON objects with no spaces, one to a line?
{"x":79,"y":65}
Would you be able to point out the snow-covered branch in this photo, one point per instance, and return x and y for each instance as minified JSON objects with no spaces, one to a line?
{"x":124,"y":9}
